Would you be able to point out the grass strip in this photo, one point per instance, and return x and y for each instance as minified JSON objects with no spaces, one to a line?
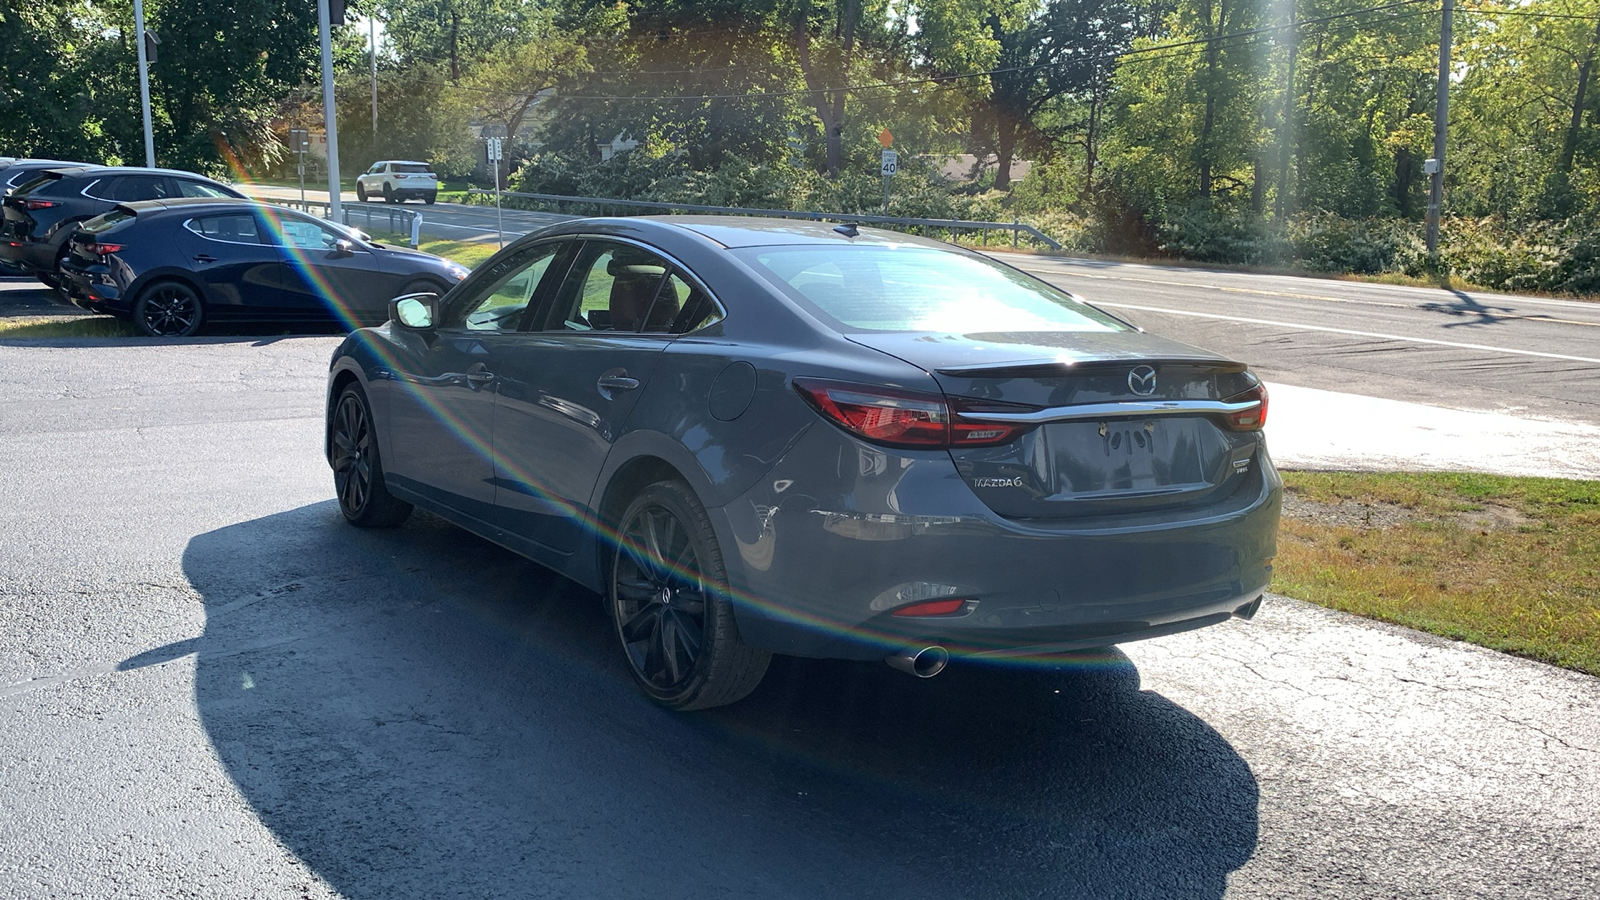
{"x":62,"y":326}
{"x":1512,"y":564}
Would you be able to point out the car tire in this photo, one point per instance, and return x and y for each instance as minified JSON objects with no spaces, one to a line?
{"x":422,"y":286}
{"x":388,"y":194}
{"x":361,"y":192}
{"x":666,"y":590}
{"x":364,"y":499}
{"x":430,"y":198}
{"x":169,"y":309}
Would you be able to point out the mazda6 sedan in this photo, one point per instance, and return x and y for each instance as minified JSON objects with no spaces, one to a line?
{"x":757,"y":437}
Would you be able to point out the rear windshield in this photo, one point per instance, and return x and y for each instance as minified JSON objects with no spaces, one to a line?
{"x":106,"y":222}
{"x":409,"y":168}
{"x":39,"y":184}
{"x":921,"y":289}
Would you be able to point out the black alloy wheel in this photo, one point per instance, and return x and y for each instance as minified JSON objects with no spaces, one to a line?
{"x":357,"y":470}
{"x":169,"y":309}
{"x":669,"y":607}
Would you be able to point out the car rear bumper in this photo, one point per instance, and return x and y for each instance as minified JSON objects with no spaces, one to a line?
{"x":92,"y":288}
{"x":834,"y":539}
{"x":27,"y":257}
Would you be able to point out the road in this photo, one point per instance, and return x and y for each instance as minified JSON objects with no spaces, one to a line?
{"x":210,"y":686}
{"x":1527,"y":356}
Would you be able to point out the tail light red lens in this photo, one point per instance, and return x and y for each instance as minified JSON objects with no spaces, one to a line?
{"x":38,"y":204}
{"x":1253,"y":419}
{"x":932,"y":608}
{"x":105,"y":249}
{"x":898,"y":418}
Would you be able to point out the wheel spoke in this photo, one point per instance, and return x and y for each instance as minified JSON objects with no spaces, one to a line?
{"x":643,"y":625}
{"x":688,"y":634}
{"x":669,"y":647}
{"x":636,"y":590}
{"x":691,"y":603}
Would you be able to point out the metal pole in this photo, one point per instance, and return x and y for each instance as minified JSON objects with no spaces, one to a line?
{"x":330,"y":113}
{"x":499,"y":217}
{"x":144,"y":84}
{"x":372,"y":36}
{"x":1441,"y":115}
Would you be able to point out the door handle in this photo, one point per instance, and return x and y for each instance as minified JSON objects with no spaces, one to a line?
{"x":609,"y":382}
{"x":202,"y":258}
{"x":478,"y":376}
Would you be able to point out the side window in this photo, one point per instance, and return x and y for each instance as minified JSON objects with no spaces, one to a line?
{"x":293,"y":231}
{"x":239,"y":228}
{"x":696,"y":310}
{"x":376,"y":168}
{"x":613,"y":287}
{"x":498,"y":304}
{"x":199,"y":189}
{"x":129,"y":188}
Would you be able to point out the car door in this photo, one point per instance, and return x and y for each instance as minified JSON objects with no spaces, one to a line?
{"x":324,"y":275}
{"x":441,"y":401}
{"x":566,"y":389}
{"x":238,"y":269}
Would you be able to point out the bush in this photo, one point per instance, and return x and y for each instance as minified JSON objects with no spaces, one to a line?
{"x":1328,"y":243}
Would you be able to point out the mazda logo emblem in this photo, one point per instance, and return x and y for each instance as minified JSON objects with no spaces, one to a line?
{"x":1142,"y":380}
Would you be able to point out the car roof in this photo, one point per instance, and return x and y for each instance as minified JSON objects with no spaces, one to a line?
{"x":78,"y":169}
{"x":404,"y":162}
{"x":142,"y":206}
{"x":755,"y":231}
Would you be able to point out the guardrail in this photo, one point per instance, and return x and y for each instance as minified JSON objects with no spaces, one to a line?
{"x":1016,"y":228}
{"x":400,"y":221}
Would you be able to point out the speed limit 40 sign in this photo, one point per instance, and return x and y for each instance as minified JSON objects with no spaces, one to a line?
{"x":891,"y":163}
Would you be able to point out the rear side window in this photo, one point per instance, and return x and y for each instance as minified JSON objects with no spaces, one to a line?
{"x":917,"y":289}
{"x":237,"y":228}
{"x":104,"y":223}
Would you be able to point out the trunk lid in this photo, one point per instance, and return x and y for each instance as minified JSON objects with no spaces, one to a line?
{"x":1120,"y":421}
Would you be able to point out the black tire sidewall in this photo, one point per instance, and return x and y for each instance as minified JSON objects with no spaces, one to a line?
{"x":382,"y":509}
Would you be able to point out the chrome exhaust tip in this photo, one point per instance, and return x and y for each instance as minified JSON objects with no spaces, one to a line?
{"x":923,"y":662}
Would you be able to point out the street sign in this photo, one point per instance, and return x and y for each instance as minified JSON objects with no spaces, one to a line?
{"x":885,"y":138}
{"x":495,"y":150}
{"x":297,"y":140}
{"x":890,"y":164}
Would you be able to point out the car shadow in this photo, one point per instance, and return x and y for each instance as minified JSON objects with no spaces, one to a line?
{"x":418,"y":712}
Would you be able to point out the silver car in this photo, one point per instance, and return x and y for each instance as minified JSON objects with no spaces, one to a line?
{"x":757,"y":437}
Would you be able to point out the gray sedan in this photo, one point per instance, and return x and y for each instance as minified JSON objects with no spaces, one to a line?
{"x":756,"y":437}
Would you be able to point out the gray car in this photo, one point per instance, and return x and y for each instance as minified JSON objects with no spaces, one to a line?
{"x":756,"y":437}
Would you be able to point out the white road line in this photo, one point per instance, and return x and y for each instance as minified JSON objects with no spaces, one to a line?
{"x":1371,"y":334}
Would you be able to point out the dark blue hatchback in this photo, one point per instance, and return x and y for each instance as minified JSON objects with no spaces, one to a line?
{"x":175,"y":266}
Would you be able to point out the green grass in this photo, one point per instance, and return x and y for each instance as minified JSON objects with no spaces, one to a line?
{"x":1508,"y":563}
{"x":467,"y":253}
{"x":60,"y":326}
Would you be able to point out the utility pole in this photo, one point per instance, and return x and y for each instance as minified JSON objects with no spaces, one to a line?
{"x":372,"y":36}
{"x":330,"y":113}
{"x":144,"y":84}
{"x":1441,"y":116}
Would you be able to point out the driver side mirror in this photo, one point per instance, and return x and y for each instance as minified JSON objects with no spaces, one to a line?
{"x":415,"y":312}
{"x":343,"y":248}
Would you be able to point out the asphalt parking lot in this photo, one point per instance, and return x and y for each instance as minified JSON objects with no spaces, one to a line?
{"x":211,"y":687}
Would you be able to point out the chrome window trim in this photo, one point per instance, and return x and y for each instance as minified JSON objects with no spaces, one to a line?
{"x":673,"y":266}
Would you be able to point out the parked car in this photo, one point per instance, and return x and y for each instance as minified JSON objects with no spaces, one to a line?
{"x":13,"y":174}
{"x":41,"y":215}
{"x":398,"y":180}
{"x":175,"y":266}
{"x":759,"y":437}
{"x":17,"y":172}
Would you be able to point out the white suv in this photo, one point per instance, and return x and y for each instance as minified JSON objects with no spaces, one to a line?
{"x":398,"y":180}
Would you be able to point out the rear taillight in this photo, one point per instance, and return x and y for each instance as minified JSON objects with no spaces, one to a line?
{"x":38,"y":204}
{"x":1252,"y":419}
{"x":899,"y":418}
{"x":932,"y":608}
{"x":105,"y":249}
